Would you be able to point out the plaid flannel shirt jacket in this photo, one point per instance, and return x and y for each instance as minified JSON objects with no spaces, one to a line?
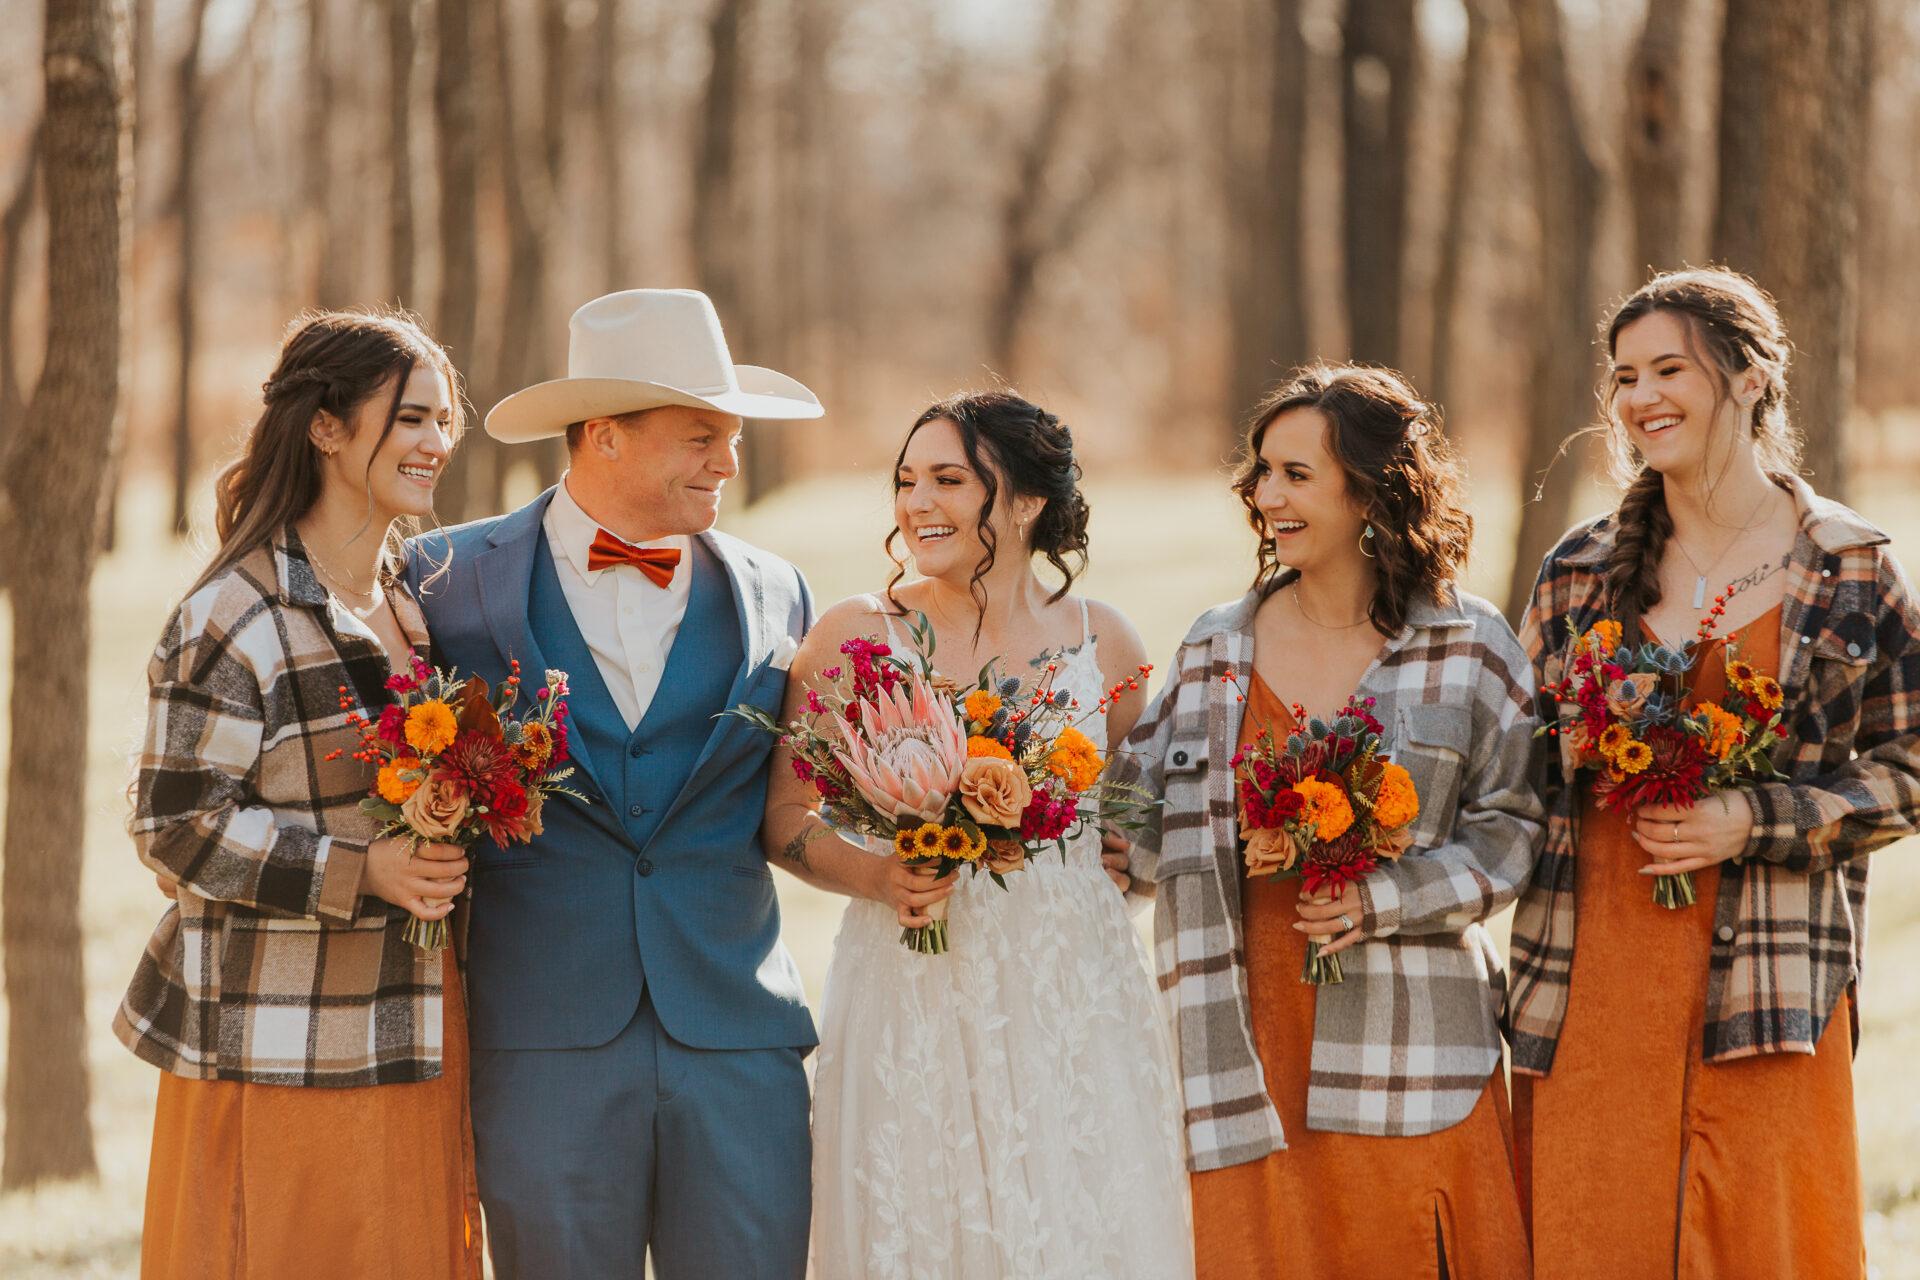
{"x":1406,"y":1043}
{"x":1790,"y":919}
{"x":272,"y":967}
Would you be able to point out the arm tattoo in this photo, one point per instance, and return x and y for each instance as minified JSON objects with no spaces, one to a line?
{"x":796,"y":852}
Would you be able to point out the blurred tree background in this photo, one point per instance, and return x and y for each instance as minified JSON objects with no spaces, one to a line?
{"x":1142,"y":213}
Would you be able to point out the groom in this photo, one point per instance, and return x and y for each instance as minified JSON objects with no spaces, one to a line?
{"x":637,"y":1025}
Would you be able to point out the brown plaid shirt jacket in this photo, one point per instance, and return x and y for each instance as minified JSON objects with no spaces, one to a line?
{"x":272,"y":967}
{"x":1790,"y":919}
{"x":1406,"y":1043}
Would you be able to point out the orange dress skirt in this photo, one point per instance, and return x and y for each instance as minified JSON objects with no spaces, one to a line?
{"x":1340,"y":1205}
{"x":1639,"y":1160}
{"x":276,"y":1182}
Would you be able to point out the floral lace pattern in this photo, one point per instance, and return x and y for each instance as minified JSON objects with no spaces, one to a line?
{"x":1008,"y":1109}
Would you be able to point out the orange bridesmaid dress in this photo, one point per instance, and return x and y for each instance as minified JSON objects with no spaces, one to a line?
{"x":1638,"y":1159}
{"x":279,"y":1182}
{"x":1339,"y":1205}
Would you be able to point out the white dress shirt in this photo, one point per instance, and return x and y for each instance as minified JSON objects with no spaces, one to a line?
{"x":628,"y":623}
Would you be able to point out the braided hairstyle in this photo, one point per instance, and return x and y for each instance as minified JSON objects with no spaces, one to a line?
{"x":1013,"y":442}
{"x":333,"y":361}
{"x":1732,"y":326}
{"x":1402,"y":478}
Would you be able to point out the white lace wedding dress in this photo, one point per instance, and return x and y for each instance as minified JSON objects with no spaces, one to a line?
{"x":1007,"y":1109}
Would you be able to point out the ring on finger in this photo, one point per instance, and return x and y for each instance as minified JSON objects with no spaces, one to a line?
{"x":1346,"y":923}
{"x":1676,"y":834}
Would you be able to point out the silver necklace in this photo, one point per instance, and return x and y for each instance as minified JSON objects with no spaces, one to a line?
{"x":1300,"y":602}
{"x":1700,"y":575}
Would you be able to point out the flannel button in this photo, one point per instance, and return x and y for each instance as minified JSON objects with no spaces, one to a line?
{"x":1179,"y":757}
{"x":1853,"y":649}
{"x":1826,"y":573}
{"x":1806,"y":639}
{"x":1724,"y":933}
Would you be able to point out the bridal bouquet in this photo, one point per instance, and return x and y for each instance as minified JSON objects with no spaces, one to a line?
{"x":1326,"y":805}
{"x":456,"y":763}
{"x":979,"y":776}
{"x":1623,"y":712}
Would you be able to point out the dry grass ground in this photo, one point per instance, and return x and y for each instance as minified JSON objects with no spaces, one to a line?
{"x":1167,"y":548}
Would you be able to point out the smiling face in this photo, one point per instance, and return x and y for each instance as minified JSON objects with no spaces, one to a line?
{"x":657,"y":473}
{"x":397,"y":474}
{"x":1301,"y":492}
{"x":1674,"y":405}
{"x":937,"y":498}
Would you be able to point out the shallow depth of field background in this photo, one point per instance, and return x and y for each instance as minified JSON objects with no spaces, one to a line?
{"x":1138,"y":213}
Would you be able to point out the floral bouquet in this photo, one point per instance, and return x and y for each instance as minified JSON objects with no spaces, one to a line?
{"x":1326,"y":805}
{"x":456,"y":763}
{"x":952,"y":776}
{"x":1623,"y":712}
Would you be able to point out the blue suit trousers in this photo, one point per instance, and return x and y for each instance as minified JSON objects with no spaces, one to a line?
{"x":588,"y":1158}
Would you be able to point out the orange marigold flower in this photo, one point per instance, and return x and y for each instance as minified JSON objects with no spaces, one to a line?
{"x":535,"y":747}
{"x":1767,"y":690}
{"x":979,"y":746}
{"x":1398,"y":803}
{"x":1607,"y":633}
{"x":395,"y":789}
{"x":431,"y":728}
{"x":1724,"y":730}
{"x":981,"y":704}
{"x":1633,"y":757}
{"x":1326,"y":807}
{"x":1075,"y":758}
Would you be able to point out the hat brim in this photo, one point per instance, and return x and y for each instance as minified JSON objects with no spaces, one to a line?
{"x":547,"y":408}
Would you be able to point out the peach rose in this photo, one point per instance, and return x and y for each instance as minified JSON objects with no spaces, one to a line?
{"x":437,"y":808}
{"x":1005,"y":855}
{"x":1626,"y":697}
{"x":995,"y":791}
{"x":1269,"y":849}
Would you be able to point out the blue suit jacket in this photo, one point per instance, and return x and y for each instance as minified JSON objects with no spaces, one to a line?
{"x":659,"y":883}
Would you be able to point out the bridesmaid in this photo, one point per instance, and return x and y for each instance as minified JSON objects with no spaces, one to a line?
{"x":312,"y":1116}
{"x":1683,"y":1085}
{"x":1358,"y":1129}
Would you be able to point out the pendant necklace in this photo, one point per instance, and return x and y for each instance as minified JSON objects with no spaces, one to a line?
{"x":1700,"y":575}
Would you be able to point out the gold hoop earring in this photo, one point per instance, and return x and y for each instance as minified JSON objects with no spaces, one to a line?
{"x":1366,"y":536}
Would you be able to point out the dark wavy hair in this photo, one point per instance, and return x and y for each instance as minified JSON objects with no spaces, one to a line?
{"x":1012,"y":441}
{"x":1402,"y":477}
{"x":1731,"y":326}
{"x":331,"y":360}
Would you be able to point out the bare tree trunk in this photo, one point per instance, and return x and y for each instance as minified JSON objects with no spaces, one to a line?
{"x":13,"y":227}
{"x":610,"y":133}
{"x":190,"y":103}
{"x":1662,"y":147}
{"x":1378,"y":57}
{"x":1567,"y":194}
{"x":55,"y":475}
{"x":719,"y":229}
{"x":457,"y":159}
{"x":1476,"y":79}
{"x":1792,"y":126}
{"x":1269,"y":298}
{"x":400,"y":50}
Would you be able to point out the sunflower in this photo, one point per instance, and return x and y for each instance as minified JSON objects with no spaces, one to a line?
{"x":535,"y":747}
{"x":906,"y":843}
{"x":1741,"y":674}
{"x":1767,"y":690}
{"x":1612,"y":738}
{"x":1326,"y":806}
{"x":926,"y":840}
{"x":1397,"y":804}
{"x":982,"y":746}
{"x":431,"y":727}
{"x":955,"y":843}
{"x":1633,"y":756}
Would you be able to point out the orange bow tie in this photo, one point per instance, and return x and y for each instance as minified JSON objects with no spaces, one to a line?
{"x":656,"y":562}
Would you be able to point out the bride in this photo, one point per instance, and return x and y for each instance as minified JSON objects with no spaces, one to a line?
{"x":1007,"y":1109}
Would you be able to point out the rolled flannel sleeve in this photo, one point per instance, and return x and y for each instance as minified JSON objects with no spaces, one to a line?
{"x":1873,"y":799}
{"x":196,"y":816}
{"x":1498,"y":822}
{"x":1142,"y":765}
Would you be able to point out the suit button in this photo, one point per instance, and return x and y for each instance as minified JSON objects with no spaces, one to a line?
{"x":635,"y":810}
{"x":644,"y":867}
{"x":1724,"y":933}
{"x":636,"y":751}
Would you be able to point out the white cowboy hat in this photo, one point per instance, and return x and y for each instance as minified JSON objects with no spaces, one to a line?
{"x":640,"y":349}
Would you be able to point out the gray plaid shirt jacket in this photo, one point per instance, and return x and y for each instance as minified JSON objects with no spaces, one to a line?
{"x":1405,"y":1045}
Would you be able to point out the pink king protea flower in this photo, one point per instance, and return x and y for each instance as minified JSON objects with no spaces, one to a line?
{"x":906,"y":752}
